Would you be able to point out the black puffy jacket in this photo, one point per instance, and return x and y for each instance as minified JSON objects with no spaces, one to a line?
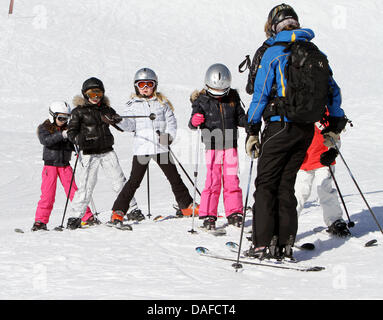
{"x":86,"y":128}
{"x":57,"y":151}
{"x":222,"y":118}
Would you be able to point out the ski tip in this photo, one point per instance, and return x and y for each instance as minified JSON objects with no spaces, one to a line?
{"x":157,"y":217}
{"x":202,"y":250}
{"x":18,"y":230}
{"x":231,"y":244}
{"x":371,"y":243}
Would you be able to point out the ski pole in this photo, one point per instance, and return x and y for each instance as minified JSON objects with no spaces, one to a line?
{"x":350,"y":224}
{"x":67,"y":198}
{"x":356,"y":184}
{"x":152,"y":116}
{"x":237,"y":265}
{"x":148,"y":188}
{"x":195,"y":179}
{"x":179,"y":163}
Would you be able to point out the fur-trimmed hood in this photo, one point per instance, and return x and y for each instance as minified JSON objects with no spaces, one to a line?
{"x":156,"y":95}
{"x":51,"y":127}
{"x":80,"y":101}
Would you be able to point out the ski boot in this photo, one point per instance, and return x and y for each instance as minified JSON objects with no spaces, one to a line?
{"x":136,"y":215}
{"x":254,"y":252}
{"x":272,"y":251}
{"x":286,"y":251}
{"x":235,"y":219}
{"x":38,"y":225}
{"x":339,"y":228}
{"x":73,"y":223}
{"x":188,"y":212}
{"x":91,"y":221}
{"x":209,"y":223}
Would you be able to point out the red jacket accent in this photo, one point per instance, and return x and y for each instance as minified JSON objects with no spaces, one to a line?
{"x":315,"y":150}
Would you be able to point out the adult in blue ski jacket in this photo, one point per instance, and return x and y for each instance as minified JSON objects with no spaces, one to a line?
{"x":283,"y":142}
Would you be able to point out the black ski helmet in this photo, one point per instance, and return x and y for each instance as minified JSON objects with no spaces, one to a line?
{"x":278,"y":14}
{"x":92,"y":83}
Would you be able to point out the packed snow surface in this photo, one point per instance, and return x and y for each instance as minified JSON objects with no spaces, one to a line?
{"x":49,"y":47}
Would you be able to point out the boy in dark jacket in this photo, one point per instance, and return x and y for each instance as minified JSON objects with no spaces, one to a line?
{"x":89,"y":129}
{"x":57,"y":153}
{"x":217,"y":111}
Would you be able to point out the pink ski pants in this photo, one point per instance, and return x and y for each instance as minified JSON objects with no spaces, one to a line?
{"x":222,"y":165}
{"x":48,"y":191}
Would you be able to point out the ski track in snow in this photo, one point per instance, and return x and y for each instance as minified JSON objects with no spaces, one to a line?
{"x":42,"y":63}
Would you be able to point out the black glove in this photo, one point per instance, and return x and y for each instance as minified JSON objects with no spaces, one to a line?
{"x":336,"y":125}
{"x":328,"y":157}
{"x":110,"y":118}
{"x":252,"y":129}
{"x":165,"y":139}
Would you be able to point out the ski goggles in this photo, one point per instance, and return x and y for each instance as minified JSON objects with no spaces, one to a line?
{"x":63,"y":118}
{"x":143,"y":84}
{"x":94,"y":93}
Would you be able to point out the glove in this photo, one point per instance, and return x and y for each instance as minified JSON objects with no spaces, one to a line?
{"x":252,"y":146}
{"x":332,"y":131}
{"x":65,"y":134}
{"x":328,"y":157}
{"x":330,"y":139}
{"x":165,"y":139}
{"x":111,"y":119}
{"x":197,"y":119}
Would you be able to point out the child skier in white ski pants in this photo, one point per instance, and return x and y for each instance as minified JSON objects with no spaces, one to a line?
{"x":313,"y":173}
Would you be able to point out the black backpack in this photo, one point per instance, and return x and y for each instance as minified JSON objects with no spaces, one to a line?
{"x":307,"y":73}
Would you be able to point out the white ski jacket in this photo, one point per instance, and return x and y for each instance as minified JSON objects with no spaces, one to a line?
{"x":146,"y":139}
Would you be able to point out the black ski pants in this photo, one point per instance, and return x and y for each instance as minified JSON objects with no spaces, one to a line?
{"x":139,"y":166}
{"x":283,"y":149}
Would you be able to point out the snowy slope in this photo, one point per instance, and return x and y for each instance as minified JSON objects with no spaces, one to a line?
{"x":49,"y":47}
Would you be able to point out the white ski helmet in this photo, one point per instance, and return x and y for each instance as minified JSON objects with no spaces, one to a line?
{"x":218,"y":79}
{"x":58,"y":107}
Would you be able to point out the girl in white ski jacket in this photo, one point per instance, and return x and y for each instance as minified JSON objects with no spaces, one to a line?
{"x":146,"y":139}
{"x":151,"y":141}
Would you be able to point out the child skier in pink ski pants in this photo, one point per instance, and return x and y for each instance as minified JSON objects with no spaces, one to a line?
{"x":222,"y":168}
{"x":218,"y":113}
{"x":57,"y":153}
{"x":48,"y":191}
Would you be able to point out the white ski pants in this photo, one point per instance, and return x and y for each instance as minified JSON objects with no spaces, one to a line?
{"x":86,"y":178}
{"x":328,"y":197}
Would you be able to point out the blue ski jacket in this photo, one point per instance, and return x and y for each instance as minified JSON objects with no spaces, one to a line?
{"x":272,"y":68}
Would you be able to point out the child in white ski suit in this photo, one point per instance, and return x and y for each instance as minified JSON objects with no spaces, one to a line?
{"x":89,"y":129}
{"x":314,"y":173}
{"x":151,"y":140}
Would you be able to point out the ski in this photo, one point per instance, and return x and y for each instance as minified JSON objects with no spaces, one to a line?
{"x":160,"y":218}
{"x":19,"y":230}
{"x":207,"y":253}
{"x":218,"y":232}
{"x":119,"y":226}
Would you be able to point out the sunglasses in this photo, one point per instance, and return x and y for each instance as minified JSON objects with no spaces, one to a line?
{"x":94,"y":93}
{"x":143,"y":84}
{"x":63,"y":118}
